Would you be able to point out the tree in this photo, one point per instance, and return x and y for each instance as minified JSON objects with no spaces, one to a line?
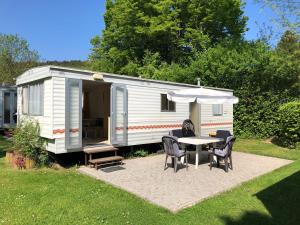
{"x":289,"y":48}
{"x":289,"y":43}
{"x":15,"y":57}
{"x":173,"y":29}
{"x":261,"y":77}
{"x":72,"y":64}
{"x":287,"y":11}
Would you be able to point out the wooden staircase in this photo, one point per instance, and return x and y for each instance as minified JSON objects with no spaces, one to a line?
{"x":101,"y":148}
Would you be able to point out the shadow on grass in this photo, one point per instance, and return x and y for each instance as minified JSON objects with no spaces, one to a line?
{"x":282,"y":200}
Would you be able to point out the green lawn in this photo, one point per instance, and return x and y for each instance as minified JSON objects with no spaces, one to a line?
{"x":47,"y":196}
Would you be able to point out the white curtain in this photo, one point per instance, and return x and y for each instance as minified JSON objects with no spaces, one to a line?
{"x":36,"y":97}
{"x":217,"y":109}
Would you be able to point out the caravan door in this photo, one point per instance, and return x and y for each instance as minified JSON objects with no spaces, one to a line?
{"x":73,"y":122}
{"x":119,"y":114}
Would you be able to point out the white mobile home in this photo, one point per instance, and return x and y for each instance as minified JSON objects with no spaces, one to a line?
{"x":8,"y":106}
{"x":76,"y":108}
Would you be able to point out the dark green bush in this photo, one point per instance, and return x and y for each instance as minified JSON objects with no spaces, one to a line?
{"x":137,"y":153}
{"x":256,"y":114}
{"x":27,"y":141}
{"x":288,"y":133}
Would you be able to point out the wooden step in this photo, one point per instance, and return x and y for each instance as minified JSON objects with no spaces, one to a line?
{"x":99,"y":149}
{"x":106,"y":160}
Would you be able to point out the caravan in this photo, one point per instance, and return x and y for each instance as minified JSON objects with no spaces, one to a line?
{"x":77,"y":108}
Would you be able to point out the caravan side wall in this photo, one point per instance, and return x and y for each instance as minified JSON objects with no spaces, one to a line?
{"x":211,"y":123}
{"x":45,"y":121}
{"x":59,"y":99}
{"x":53,"y":112}
{"x":146,"y":122}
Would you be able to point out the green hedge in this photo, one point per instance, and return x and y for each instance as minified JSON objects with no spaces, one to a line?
{"x":256,"y":114}
{"x":288,"y":133}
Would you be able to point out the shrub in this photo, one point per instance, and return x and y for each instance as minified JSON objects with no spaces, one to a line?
{"x":137,"y":153}
{"x":288,"y":133}
{"x":27,"y":141}
{"x":256,"y":113}
{"x":140,"y":153}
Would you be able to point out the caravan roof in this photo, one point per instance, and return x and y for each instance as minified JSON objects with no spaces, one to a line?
{"x":45,"y":71}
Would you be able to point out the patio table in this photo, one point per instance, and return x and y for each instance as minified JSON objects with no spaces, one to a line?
{"x":198,"y":141}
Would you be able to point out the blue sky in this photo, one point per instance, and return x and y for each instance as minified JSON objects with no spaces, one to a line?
{"x":62,"y":30}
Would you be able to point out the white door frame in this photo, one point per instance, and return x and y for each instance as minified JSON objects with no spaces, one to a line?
{"x":114,"y":88}
{"x":67,"y":114}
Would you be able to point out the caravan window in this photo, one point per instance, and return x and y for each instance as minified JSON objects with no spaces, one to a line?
{"x":166,"y":105}
{"x":217,"y":109}
{"x":32,"y":99}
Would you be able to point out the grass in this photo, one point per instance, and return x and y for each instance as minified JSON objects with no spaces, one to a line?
{"x":262,"y":147}
{"x":47,"y":196}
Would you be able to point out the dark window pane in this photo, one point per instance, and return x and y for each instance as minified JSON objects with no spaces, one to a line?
{"x":164,"y":102}
{"x":171,"y":106}
{"x":167,"y":105}
{"x":7,"y":107}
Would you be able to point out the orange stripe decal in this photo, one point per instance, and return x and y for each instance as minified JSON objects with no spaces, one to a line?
{"x":145,"y":127}
{"x":74,"y":130}
{"x":215,"y":124}
{"x":62,"y":131}
{"x":59,"y":131}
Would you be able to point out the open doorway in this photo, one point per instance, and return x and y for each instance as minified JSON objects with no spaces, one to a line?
{"x":95,"y":112}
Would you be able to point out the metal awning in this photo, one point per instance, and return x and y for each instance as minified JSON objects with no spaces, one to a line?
{"x":202,"y":96}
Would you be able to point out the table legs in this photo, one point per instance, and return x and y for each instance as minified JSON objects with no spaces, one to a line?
{"x":198,"y":149}
{"x":182,"y":158}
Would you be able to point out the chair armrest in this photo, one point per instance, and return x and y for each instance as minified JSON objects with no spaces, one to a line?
{"x":176,"y":138}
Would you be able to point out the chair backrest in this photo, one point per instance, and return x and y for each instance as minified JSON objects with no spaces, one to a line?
{"x":171,"y":145}
{"x":176,"y":133}
{"x":229,"y":144}
{"x":188,"y":129}
{"x":224,"y":134}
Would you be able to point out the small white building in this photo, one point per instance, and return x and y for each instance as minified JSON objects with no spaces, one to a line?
{"x":76,"y":108}
{"x":8,"y":106}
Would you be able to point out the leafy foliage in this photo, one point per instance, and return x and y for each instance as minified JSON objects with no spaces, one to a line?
{"x":170,"y":30}
{"x":183,"y":40}
{"x":262,"y":78}
{"x":72,"y":64}
{"x":137,"y":153}
{"x":15,"y":57}
{"x":288,"y":132}
{"x":140,"y":153}
{"x":28,"y":142}
{"x":289,"y":43}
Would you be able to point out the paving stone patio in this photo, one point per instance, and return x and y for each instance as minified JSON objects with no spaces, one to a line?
{"x":146,"y":178}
